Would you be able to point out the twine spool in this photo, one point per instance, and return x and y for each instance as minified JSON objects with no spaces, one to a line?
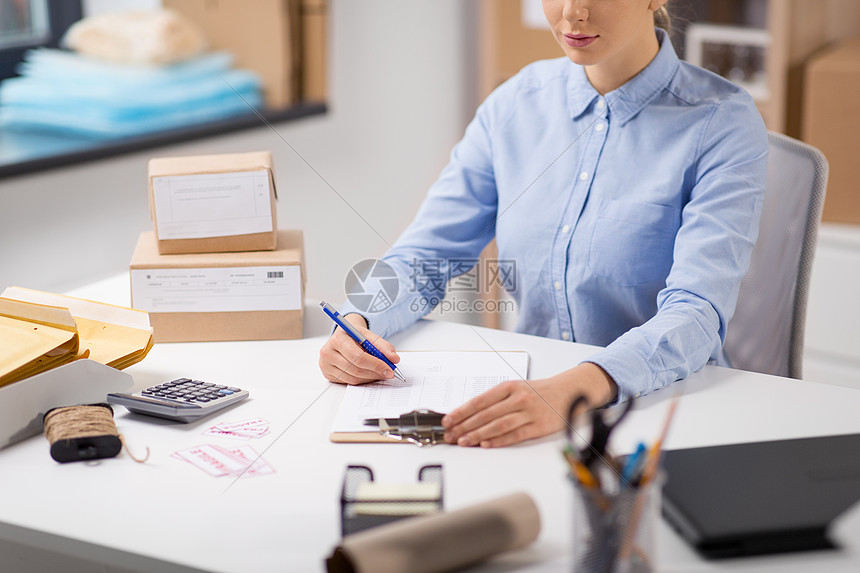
{"x":88,"y":432}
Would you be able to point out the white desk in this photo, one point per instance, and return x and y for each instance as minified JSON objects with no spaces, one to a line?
{"x":166,"y":515}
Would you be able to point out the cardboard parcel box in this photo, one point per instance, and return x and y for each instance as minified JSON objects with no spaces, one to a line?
{"x":221,"y":296}
{"x":214,"y":203}
{"x":263,"y":35}
{"x":831,"y":122}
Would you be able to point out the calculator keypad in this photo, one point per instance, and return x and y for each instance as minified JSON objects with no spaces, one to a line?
{"x":190,"y":391}
{"x":182,"y":400}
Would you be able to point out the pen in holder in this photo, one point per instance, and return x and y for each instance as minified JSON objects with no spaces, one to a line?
{"x":616,"y":500}
{"x":613,"y":531}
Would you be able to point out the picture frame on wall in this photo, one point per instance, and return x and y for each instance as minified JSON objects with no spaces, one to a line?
{"x":736,"y":53}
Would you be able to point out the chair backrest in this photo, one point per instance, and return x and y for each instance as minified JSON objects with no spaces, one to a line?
{"x":766,"y":332}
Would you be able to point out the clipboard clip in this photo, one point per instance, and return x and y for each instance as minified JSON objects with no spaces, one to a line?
{"x":421,"y":427}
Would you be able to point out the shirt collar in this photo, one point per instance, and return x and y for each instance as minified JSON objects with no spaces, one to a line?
{"x":626,"y":101}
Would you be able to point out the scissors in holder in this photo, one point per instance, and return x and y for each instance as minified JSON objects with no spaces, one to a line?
{"x":603,"y":423}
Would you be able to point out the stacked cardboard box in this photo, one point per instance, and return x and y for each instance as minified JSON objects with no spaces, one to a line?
{"x":831,"y":122}
{"x":216,"y":267}
{"x":284,"y":41}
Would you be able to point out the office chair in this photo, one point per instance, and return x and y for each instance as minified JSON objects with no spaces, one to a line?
{"x":766,"y":332}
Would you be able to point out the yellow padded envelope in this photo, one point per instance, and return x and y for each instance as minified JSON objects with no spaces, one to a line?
{"x":112,"y":335}
{"x":34,"y":338}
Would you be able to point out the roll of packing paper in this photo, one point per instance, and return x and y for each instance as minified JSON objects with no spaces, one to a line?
{"x":442,"y":541}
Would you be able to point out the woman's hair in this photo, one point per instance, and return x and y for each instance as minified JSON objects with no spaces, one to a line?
{"x":662,"y":19}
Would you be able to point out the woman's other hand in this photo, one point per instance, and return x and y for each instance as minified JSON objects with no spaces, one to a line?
{"x":516,"y":410}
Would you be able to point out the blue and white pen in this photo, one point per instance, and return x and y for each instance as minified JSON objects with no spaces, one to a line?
{"x":359,"y":338}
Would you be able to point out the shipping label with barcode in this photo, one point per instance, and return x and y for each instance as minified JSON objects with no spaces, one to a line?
{"x":229,"y":289}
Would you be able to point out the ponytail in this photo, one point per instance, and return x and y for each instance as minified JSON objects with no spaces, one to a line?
{"x":662,"y":19}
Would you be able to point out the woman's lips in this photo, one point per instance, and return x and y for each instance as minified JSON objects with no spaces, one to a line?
{"x":578,"y":40}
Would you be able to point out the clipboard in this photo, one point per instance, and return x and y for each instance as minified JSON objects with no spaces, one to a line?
{"x":369,"y":437}
{"x":513,"y":364}
{"x":420,"y":427}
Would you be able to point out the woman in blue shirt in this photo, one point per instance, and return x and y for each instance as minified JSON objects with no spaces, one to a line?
{"x":627,"y":186}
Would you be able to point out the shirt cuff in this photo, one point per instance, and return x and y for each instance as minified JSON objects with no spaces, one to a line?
{"x":631,"y":373}
{"x":385,"y":323}
{"x":370,"y":318}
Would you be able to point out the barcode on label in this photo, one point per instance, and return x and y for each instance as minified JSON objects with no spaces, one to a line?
{"x":275,"y":274}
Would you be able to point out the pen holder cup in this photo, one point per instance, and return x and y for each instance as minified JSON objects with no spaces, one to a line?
{"x":614,"y":532}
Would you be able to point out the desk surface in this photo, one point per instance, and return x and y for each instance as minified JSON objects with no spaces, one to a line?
{"x":166,"y":515}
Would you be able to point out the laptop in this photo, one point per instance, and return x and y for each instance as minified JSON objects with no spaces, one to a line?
{"x":758,"y":498}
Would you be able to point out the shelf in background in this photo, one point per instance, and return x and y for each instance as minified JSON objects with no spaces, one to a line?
{"x":30,"y":152}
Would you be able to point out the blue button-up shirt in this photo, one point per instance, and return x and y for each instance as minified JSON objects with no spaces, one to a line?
{"x":630,"y":216}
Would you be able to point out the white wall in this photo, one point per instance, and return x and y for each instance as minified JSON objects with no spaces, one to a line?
{"x":832,"y":345}
{"x":399,"y":100}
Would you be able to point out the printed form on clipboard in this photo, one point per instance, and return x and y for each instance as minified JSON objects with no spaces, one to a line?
{"x":435,"y":380}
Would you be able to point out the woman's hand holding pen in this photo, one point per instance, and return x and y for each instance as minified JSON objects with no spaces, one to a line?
{"x":342,"y":360}
{"x":516,"y":410}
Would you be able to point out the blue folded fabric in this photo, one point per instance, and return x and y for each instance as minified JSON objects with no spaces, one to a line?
{"x":69,"y":67}
{"x":64,"y":92}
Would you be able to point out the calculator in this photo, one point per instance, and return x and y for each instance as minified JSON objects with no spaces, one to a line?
{"x":183,"y":399}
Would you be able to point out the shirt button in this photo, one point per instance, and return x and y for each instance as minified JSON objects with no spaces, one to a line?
{"x":599,"y":127}
{"x":583,"y":176}
{"x":601,"y":104}
{"x":565,"y":229}
{"x":565,"y":335}
{"x":557,"y":285}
